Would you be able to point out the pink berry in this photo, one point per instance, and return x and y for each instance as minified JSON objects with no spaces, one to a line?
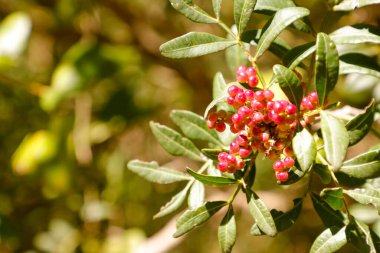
{"x":282,"y":176}
{"x":288,"y":162}
{"x":240,"y":98}
{"x":264,"y":137}
{"x":253,"y":81}
{"x":223,"y":166}
{"x":269,"y":95}
{"x":278,"y":166}
{"x":278,"y":107}
{"x":210,"y":124}
{"x":222,"y":157}
{"x":241,"y":69}
{"x":242,"y":77}
{"x":231,"y":159}
{"x":244,"y":152}
{"x":257,"y":105}
{"x":291,"y":109}
{"x":249,"y":94}
{"x":240,"y":164}
{"x":259,"y":95}
{"x":251,"y":71}
{"x":231,"y":100}
{"x":313,"y":96}
{"x":233,"y":90}
{"x":234,"y":147}
{"x":237,"y":118}
{"x":242,"y":140}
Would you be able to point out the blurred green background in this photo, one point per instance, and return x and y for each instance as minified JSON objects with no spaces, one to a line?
{"x":79,"y":82}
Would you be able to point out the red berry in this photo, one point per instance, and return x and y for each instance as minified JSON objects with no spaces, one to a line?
{"x":233,"y":90}
{"x":234,"y":147}
{"x":269,"y":95}
{"x":210,"y":124}
{"x":278,"y":166}
{"x":251,"y":71}
{"x":231,"y":100}
{"x":253,"y":81}
{"x":264,"y":137}
{"x":288,"y":162}
{"x":222,"y":166}
{"x":291,"y":109}
{"x":222,"y":157}
{"x":220,"y":126}
{"x":244,"y":152}
{"x":242,"y":140}
{"x":259,"y":95}
{"x":282,"y":176}
{"x":257,"y":105}
{"x":240,"y":164}
{"x":278,"y":107}
{"x":241,"y":69}
{"x":313,"y":97}
{"x":244,"y":111}
{"x":237,"y":118}
{"x":240,"y":98}
{"x":249,"y":94}
{"x":242,"y":77}
{"x":288,"y":151}
{"x":258,"y":117}
{"x":231,"y":159}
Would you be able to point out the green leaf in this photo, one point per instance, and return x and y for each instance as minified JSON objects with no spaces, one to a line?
{"x":360,"y":125}
{"x":297,"y":54}
{"x":192,"y":11}
{"x":227,"y":231}
{"x":365,"y":166}
{"x":219,"y":90}
{"x":194,"y":126}
{"x":235,"y":57}
{"x":242,"y":13}
{"x":192,"y":218}
{"x":261,"y":214}
{"x":360,"y":64}
{"x":359,"y":234}
{"x":196,"y":196}
{"x":333,"y":197}
{"x":305,"y":149}
{"x":349,"y":5}
{"x":281,"y":20}
{"x":174,"y":143}
{"x":347,"y":180}
{"x":211,"y":153}
{"x":278,"y":47}
{"x":217,"y":4}
{"x":212,"y":180}
{"x":194,"y":44}
{"x":289,"y":83}
{"x":173,"y":204}
{"x":282,"y":220}
{"x":329,"y":216}
{"x":271,"y":6}
{"x":323,"y":172}
{"x":326,"y":66}
{"x":335,"y":138}
{"x":153,"y":173}
{"x":365,"y":196}
{"x":356,"y":34}
{"x":327,"y":242}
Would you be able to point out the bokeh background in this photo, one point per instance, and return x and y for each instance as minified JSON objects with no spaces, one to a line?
{"x":79,"y":82}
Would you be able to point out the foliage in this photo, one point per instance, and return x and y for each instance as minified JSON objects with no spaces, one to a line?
{"x":308,"y":137}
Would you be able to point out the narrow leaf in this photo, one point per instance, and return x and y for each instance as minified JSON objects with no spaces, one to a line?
{"x":327,"y":242}
{"x":196,"y":196}
{"x":227,"y":231}
{"x":323,"y":172}
{"x":289,"y":83}
{"x":194,"y":126}
{"x":235,"y":57}
{"x":282,"y":220}
{"x":335,"y":138}
{"x":326,"y":66}
{"x":281,"y":20}
{"x":360,"y":125}
{"x":365,"y":166}
{"x":359,"y":63}
{"x":329,"y":216}
{"x":193,"y":218}
{"x":192,"y":11}
{"x":156,"y":174}
{"x":305,"y":149}
{"x":242,"y":13}
{"x":217,"y":4}
{"x":359,"y":234}
{"x":261,"y":214}
{"x":333,"y":197}
{"x":212,"y":180}
{"x":219,"y":90}
{"x":356,"y":34}
{"x":365,"y":196}
{"x":347,"y":68}
{"x":194,"y":44}
{"x":297,"y":54}
{"x":173,"y":204}
{"x":174,"y":143}
{"x":349,"y":5}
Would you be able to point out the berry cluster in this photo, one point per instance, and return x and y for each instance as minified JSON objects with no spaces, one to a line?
{"x":261,"y":124}
{"x":308,"y":104}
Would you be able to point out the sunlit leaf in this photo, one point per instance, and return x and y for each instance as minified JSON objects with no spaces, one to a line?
{"x":305,"y":149}
{"x":212,"y":180}
{"x":173,"y":204}
{"x":349,"y":5}
{"x":281,"y":20}
{"x":356,"y":34}
{"x":289,"y":83}
{"x":282,"y":220}
{"x":227,"y":231}
{"x":328,"y":242}
{"x":194,"y":126}
{"x":329,"y":216}
{"x":174,"y":143}
{"x":216,"y":4}
{"x":219,"y":90}
{"x":192,"y":11}
{"x":242,"y":13}
{"x":326,"y":66}
{"x":193,"y":218}
{"x":366,"y":165}
{"x":333,"y":197}
{"x":194,"y":44}
{"x":152,"y":172}
{"x":365,"y":196}
{"x":235,"y":57}
{"x":335,"y":138}
{"x":261,"y":214}
{"x":196,"y":196}
{"x":360,"y":125}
